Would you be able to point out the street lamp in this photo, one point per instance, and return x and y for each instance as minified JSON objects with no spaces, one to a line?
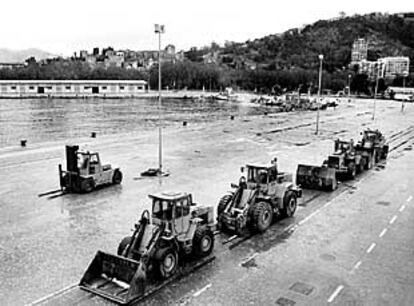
{"x":349,"y":87}
{"x":159,"y":29}
{"x":319,"y":92}
{"x":379,"y":68}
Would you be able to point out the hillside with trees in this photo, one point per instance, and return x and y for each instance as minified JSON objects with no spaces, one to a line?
{"x":274,"y":63}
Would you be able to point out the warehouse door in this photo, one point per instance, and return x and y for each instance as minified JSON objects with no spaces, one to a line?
{"x":95,"y":89}
{"x":40,"y":90}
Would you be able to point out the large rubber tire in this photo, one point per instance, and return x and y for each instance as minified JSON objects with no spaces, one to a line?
{"x":377,"y":156}
{"x":167,"y":262}
{"x":290,"y":204}
{"x":123,"y":244}
{"x":203,"y":242}
{"x":369,"y":162}
{"x":87,"y":185}
{"x":117,"y":177}
{"x":334,"y":185}
{"x":352,"y":170}
{"x":223,"y":203}
{"x":262,"y":216}
{"x":361,"y":165}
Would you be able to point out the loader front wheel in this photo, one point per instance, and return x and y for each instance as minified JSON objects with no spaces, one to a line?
{"x":262,"y":216}
{"x":117,"y":177}
{"x":289,"y":204}
{"x":123,"y":245}
{"x":167,"y":262}
{"x":223,"y":203}
{"x":203,"y":242}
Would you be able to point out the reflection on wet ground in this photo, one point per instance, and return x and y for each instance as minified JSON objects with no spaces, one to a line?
{"x":41,"y":120}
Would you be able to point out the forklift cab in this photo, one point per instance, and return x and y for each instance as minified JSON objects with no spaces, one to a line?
{"x":172,"y":209}
{"x":88,"y":163}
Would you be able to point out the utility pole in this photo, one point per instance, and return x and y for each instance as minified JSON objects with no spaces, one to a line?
{"x":319,"y":92}
{"x":379,"y":66}
{"x":159,"y":29}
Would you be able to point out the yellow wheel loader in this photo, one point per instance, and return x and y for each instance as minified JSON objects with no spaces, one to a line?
{"x":257,"y":200}
{"x":161,"y":242}
{"x":343,"y":164}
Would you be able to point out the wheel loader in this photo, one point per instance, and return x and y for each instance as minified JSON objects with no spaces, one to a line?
{"x":343,"y":164}
{"x":161,"y":241}
{"x":84,"y":171}
{"x":372,"y":147}
{"x":257,"y":200}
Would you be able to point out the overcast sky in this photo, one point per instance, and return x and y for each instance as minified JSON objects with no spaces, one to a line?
{"x":65,"y":26}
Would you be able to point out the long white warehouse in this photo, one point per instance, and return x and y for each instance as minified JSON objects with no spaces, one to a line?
{"x":71,"y":88}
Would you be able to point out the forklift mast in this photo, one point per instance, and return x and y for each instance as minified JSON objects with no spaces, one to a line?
{"x":72,"y":158}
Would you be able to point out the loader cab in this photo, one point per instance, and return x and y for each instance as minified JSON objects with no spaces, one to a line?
{"x":343,"y":146}
{"x":173,"y":210}
{"x":261,"y":175}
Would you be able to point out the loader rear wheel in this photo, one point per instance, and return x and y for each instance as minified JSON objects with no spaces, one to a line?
{"x":123,"y":245}
{"x":203,"y":242}
{"x":117,"y":177}
{"x":223,"y":203}
{"x":289,"y":204}
{"x":352,"y":170}
{"x":167,"y":262}
{"x":87,"y":185}
{"x":262,"y":216}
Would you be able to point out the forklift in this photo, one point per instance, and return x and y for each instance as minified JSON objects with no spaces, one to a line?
{"x":84,"y":171}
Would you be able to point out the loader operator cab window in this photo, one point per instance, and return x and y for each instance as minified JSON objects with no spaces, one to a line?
{"x":162,"y":209}
{"x":182,"y":208}
{"x":257,"y":175}
{"x":272,"y":174}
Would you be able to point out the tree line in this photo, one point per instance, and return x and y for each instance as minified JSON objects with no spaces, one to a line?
{"x":194,"y":75}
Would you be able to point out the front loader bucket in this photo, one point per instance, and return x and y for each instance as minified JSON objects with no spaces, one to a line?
{"x":116,"y":278}
{"x":314,"y":177}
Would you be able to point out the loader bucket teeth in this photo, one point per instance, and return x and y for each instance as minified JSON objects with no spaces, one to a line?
{"x":315,"y":177}
{"x":114,"y":277}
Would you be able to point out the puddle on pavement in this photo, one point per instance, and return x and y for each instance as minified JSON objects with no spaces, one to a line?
{"x":383,"y":203}
{"x":328,"y":257}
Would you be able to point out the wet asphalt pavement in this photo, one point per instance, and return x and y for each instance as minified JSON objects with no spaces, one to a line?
{"x":46,"y":244}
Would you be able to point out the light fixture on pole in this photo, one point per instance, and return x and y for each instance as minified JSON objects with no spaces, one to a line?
{"x":349,"y":87}
{"x":319,"y":93}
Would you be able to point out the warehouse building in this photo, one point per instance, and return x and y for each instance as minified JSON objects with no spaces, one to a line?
{"x":71,"y":88}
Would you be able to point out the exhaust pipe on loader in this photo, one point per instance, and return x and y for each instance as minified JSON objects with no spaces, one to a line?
{"x":316,"y":177}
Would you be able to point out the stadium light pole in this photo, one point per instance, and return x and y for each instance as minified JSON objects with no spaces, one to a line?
{"x":159,"y":29}
{"x":319,"y":93}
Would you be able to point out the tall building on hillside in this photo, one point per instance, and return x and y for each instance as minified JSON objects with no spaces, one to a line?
{"x":396,"y":66}
{"x":359,"y":50}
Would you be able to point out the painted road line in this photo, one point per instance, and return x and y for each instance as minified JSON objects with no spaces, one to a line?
{"x":248,"y":259}
{"x":335,"y":293}
{"x":401,"y":208}
{"x":53,"y":294}
{"x":409,"y":198}
{"x":383,"y":232}
{"x":202,"y":290}
{"x":371,"y":247}
{"x":393,"y":219}
{"x":356,"y":266}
